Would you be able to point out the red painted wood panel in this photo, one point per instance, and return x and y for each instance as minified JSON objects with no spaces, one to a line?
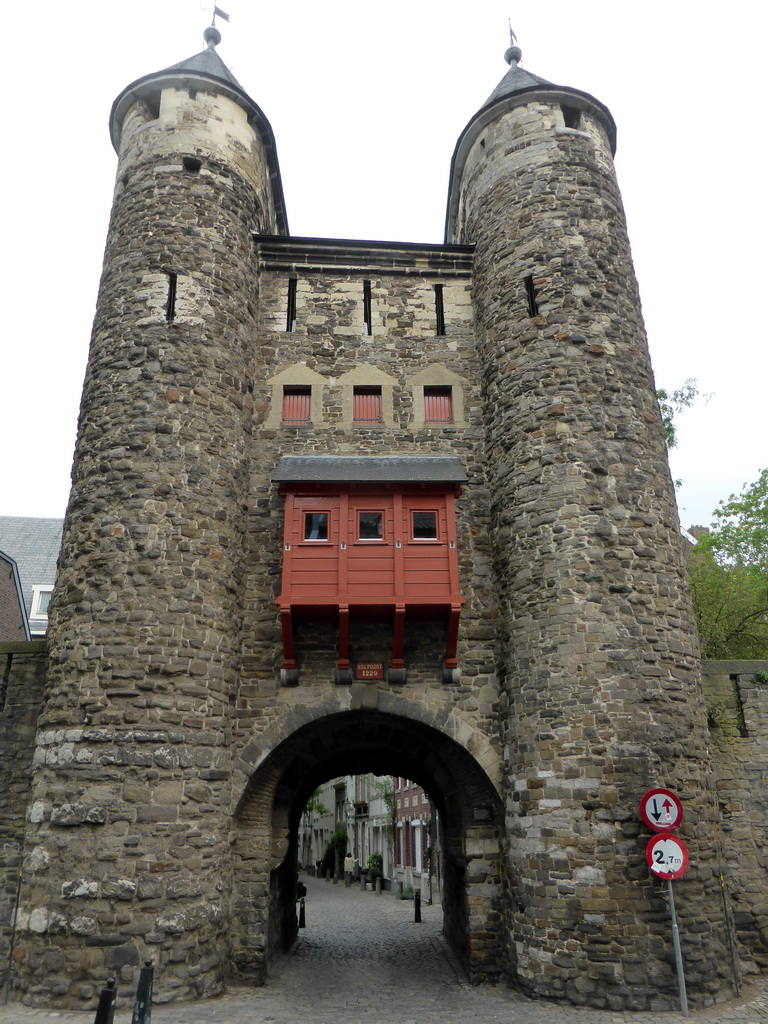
{"x":395,"y":569}
{"x":296,"y":405}
{"x":366,"y":405}
{"x":438,"y":405}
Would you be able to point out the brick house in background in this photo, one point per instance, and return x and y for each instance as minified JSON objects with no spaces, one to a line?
{"x":13,"y":616}
{"x":418,"y":849}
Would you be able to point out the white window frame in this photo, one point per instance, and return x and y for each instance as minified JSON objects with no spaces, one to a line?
{"x":37,"y":595}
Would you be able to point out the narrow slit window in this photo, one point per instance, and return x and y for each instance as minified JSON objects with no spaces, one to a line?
{"x":366,"y":405}
{"x":370,"y":525}
{"x":297,"y":404}
{"x":170,"y":304}
{"x":424,"y":525}
{"x":290,"y":320}
{"x":439,"y":309}
{"x":530,"y":294}
{"x":438,"y":405}
{"x":315,"y":526}
{"x":367,"y":323}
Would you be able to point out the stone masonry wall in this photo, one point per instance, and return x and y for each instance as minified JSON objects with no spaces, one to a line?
{"x":601,"y":652}
{"x":22,"y":677}
{"x":330,"y":342}
{"x":128,"y":847}
{"x":736,"y":695}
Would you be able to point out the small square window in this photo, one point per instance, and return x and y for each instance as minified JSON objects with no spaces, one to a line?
{"x":438,"y":405}
{"x":424,"y":525}
{"x":369,"y":525}
{"x":366,"y":405}
{"x":315,"y":526}
{"x":297,"y":403}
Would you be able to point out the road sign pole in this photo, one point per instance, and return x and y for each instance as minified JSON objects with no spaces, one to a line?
{"x":678,"y":953}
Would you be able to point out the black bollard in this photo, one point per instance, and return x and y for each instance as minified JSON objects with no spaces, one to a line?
{"x":417,"y":906}
{"x":105,"y":1011}
{"x":302,"y":914}
{"x":142,"y":1007}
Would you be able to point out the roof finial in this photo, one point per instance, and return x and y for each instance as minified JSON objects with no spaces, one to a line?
{"x":212,"y":36}
{"x":514,"y":53}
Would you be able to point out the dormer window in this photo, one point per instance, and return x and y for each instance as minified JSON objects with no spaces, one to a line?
{"x":41,"y":598}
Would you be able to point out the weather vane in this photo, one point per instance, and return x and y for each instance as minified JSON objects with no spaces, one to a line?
{"x":512,"y":36}
{"x":217,"y":13}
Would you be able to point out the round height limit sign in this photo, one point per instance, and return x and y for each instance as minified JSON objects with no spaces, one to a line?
{"x":667,"y":856}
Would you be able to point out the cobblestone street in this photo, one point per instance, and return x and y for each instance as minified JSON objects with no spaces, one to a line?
{"x":363,"y":958}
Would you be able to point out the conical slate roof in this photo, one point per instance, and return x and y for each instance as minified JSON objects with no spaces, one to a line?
{"x":207,"y":62}
{"x":516,"y":87}
{"x":201,"y":66}
{"x":516,"y":78}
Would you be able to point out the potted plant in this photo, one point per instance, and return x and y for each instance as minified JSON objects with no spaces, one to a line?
{"x":375,"y":866}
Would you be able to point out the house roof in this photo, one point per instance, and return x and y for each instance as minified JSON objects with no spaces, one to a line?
{"x":34,"y":546}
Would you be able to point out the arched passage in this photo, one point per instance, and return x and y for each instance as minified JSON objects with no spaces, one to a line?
{"x":354,"y":742}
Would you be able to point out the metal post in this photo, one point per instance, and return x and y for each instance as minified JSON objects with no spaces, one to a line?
{"x":417,"y":906}
{"x":302,"y":914}
{"x":678,"y":953}
{"x":105,"y":1011}
{"x":377,"y":885}
{"x":8,"y":850}
{"x":142,"y":1007}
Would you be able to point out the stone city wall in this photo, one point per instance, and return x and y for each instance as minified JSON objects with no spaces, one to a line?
{"x":736,"y":696}
{"x":22,"y":677}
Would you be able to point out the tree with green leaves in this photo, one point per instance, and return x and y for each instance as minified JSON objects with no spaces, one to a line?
{"x":672,"y":403}
{"x":728,"y":571}
{"x":384,"y":788}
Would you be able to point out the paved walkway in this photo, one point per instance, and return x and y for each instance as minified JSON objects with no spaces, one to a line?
{"x":362,"y":958}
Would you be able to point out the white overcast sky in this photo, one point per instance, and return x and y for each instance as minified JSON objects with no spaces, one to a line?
{"x":366,"y":102}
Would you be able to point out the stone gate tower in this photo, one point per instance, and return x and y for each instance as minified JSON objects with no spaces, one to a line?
{"x":347,"y":506}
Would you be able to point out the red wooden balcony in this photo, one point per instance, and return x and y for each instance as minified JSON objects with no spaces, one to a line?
{"x":364,"y":539}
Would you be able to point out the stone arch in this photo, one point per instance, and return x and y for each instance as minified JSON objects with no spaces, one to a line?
{"x":353,"y":742}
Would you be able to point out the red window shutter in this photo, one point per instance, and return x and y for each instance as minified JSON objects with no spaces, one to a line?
{"x":438,"y":405}
{"x":366,"y":405}
{"x":296,"y":405}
